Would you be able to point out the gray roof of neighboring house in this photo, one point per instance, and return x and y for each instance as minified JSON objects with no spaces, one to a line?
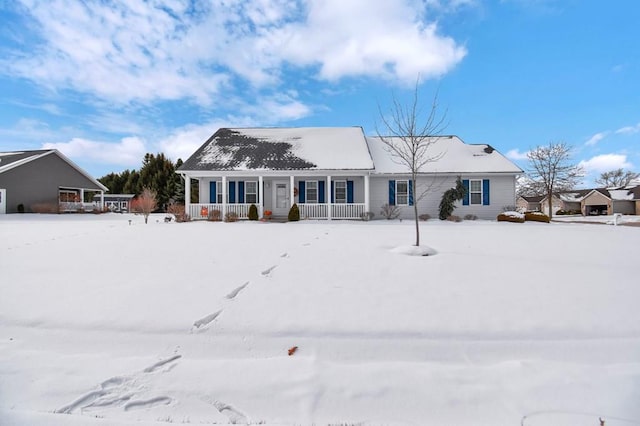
{"x":12,"y":159}
{"x":293,"y":148}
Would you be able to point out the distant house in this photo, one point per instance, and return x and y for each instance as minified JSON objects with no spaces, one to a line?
{"x":338,"y":173}
{"x":43,"y":179}
{"x":567,"y":201}
{"x":120,"y":203}
{"x":597,"y":201}
{"x":529,"y":203}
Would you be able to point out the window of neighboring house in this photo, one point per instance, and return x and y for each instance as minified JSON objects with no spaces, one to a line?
{"x":475,"y":191}
{"x":311,"y":189}
{"x":124,"y":205}
{"x":340,"y":191}
{"x":251,"y":192}
{"x":69,"y":196}
{"x":402,"y":192}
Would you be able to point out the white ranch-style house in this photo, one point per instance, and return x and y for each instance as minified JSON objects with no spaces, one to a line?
{"x":338,"y":173}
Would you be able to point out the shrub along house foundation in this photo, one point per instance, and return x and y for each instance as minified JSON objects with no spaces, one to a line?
{"x":337,"y":173}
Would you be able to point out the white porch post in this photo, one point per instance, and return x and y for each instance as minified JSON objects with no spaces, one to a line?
{"x":328,"y":191}
{"x":187,"y":195}
{"x":260,"y":196}
{"x":366,"y":193}
{"x":101,"y":200}
{"x":224,"y":196}
{"x":293,"y":199}
{"x":82,"y":196}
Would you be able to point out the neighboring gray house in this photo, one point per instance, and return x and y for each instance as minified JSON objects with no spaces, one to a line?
{"x":33,"y":179}
{"x":338,"y":173}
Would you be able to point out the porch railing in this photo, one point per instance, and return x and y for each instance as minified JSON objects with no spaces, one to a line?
{"x":307,"y":210}
{"x":338,"y":211}
{"x":347,"y":211}
{"x":312,"y":211}
{"x":202,"y":211}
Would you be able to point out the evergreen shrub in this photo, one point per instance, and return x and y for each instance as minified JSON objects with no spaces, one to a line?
{"x":253,"y":212}
{"x":294,"y":213}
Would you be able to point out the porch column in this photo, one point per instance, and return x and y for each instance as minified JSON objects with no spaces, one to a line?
{"x":82,"y":196}
{"x":224,"y":197}
{"x":293,"y":197}
{"x":260,"y":196}
{"x":101,"y":200}
{"x":328,"y":191}
{"x":187,"y":195}
{"x":366,"y":193}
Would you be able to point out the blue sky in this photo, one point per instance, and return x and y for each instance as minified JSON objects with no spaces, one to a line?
{"x":105,"y":82}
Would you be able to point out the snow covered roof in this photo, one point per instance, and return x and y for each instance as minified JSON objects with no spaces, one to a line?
{"x":293,"y":148}
{"x":451,"y":155}
{"x":621,"y":194}
{"x":11,"y":159}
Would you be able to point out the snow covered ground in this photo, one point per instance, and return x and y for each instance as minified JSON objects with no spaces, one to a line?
{"x":108,"y":322}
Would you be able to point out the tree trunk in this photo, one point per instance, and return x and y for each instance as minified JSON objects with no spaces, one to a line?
{"x":415,"y":214}
{"x":550,"y":197}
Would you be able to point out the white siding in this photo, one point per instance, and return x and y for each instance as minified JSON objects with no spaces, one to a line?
{"x":502,"y":192}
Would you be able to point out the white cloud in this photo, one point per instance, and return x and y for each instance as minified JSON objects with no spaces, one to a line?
{"x":629,"y":130}
{"x":142,"y":52}
{"x":606,"y":162}
{"x":128,"y":151}
{"x":596,"y":138}
{"x":515,"y":154}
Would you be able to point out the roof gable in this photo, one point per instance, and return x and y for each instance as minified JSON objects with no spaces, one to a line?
{"x":302,"y":148}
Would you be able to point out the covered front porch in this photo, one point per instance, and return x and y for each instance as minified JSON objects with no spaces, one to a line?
{"x":326,"y":197}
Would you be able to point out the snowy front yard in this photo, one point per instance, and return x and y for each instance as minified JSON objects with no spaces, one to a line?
{"x":109,"y":323}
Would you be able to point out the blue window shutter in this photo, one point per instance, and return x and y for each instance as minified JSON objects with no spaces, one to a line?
{"x":410,"y":192}
{"x":350,"y":191}
{"x":301,"y":191}
{"x":392,"y":192}
{"x":241,"y":191}
{"x":213,"y":193}
{"x":485,"y":192}
{"x":465,"y":200}
{"x":321,"y":191}
{"x":232,"y":192}
{"x":333,"y":189}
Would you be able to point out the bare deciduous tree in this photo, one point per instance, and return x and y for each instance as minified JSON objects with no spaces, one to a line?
{"x":550,"y":168}
{"x":145,"y":203}
{"x":617,"y":178}
{"x":409,"y":135}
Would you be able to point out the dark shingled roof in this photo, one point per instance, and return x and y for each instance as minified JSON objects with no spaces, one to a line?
{"x":229,"y":149}
{"x":282,"y":149}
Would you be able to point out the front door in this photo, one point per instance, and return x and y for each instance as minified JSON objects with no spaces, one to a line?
{"x":281,"y":197}
{"x":3,"y":201}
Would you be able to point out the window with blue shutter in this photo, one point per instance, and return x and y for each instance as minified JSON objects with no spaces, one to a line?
{"x":485,"y":192}
{"x":392,"y":192}
{"x":333,"y":191}
{"x":321,"y":191}
{"x":213,"y":192}
{"x":465,"y":200}
{"x":241,"y":191}
{"x":232,"y":192}
{"x":301,"y":191}
{"x":350,"y":191}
